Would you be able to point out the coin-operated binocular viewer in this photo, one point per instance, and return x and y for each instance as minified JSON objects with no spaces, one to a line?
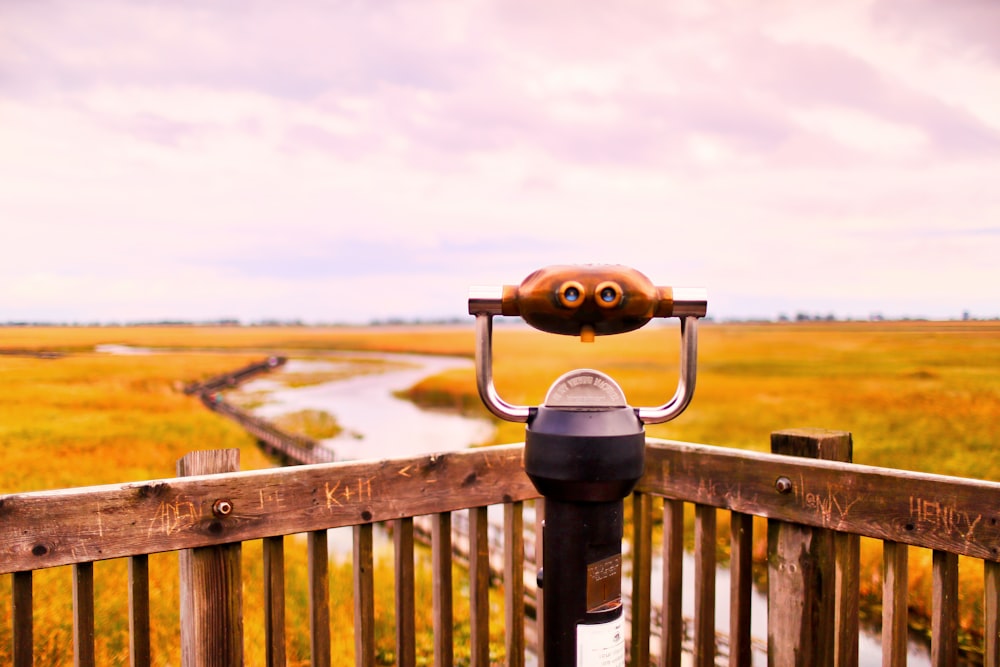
{"x":585,"y":447}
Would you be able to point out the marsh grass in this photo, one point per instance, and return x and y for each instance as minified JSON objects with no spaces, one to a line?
{"x":920,"y":396}
{"x":89,"y":418}
{"x":315,"y":424}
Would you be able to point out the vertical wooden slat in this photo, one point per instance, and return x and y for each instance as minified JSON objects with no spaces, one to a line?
{"x":406,"y":632}
{"x":704,"y":586}
{"x":274,"y":600}
{"x":479,"y":586}
{"x":741,"y":589}
{"x":847,"y":567}
{"x":444,"y":651}
{"x":319,"y":597}
{"x":944,"y":614}
{"x":83,"y":615}
{"x":211,"y":581}
{"x":642,"y":569}
{"x":991,"y":614}
{"x":539,"y":559}
{"x":895,"y":616}
{"x":672,"y":616}
{"x":138,"y":611}
{"x":23,"y":626}
{"x":513,"y":578}
{"x":364,"y":596}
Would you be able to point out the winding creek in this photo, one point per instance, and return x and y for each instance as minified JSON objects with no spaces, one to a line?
{"x":378,"y":424}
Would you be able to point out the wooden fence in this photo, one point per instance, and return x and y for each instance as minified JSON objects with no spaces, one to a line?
{"x":816,"y":509}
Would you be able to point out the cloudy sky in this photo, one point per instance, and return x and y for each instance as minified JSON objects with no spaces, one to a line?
{"x":346,"y":161}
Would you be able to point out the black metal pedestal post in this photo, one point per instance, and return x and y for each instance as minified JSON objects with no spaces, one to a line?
{"x":584,"y":462}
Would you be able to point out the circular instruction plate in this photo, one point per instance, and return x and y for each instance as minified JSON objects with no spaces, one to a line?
{"x":585,"y":388}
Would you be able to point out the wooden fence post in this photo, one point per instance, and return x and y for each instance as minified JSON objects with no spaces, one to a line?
{"x":812,"y":573}
{"x":211,"y":586}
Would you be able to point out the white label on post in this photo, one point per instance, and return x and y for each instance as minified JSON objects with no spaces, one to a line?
{"x":601,"y":645}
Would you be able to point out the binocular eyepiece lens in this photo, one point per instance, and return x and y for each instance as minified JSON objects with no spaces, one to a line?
{"x":571,"y":294}
{"x":609,"y":294}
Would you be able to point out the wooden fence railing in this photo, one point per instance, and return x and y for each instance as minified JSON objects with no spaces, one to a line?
{"x":289,"y":448}
{"x":816,"y":509}
{"x":234,"y":378}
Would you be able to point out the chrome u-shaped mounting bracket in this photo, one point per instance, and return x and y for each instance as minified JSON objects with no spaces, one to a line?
{"x":688,"y":305}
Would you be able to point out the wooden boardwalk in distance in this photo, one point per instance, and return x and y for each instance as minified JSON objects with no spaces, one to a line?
{"x":290,"y":448}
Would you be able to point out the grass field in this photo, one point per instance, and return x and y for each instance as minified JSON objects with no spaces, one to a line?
{"x":916,"y":395}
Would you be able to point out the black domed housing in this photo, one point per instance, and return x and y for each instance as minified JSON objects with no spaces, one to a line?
{"x":582,"y":455}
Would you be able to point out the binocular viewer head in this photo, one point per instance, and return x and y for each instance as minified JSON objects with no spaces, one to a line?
{"x":587,"y":301}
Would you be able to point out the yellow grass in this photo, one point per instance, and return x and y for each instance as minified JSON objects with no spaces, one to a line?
{"x":315,"y":424}
{"x":90,"y":418}
{"x":919,"y":396}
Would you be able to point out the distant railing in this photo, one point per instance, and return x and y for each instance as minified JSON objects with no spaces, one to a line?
{"x":290,"y":448}
{"x":817,"y":509}
{"x":235,"y":378}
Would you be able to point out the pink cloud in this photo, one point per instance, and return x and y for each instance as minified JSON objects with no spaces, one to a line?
{"x":248,"y":125}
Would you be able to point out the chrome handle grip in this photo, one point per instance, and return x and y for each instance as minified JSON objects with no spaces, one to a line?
{"x":484,"y":373}
{"x":686,"y":380}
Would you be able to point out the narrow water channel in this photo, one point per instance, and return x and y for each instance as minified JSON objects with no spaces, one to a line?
{"x":378,"y":424}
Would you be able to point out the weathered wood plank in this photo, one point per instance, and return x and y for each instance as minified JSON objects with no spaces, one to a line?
{"x":479,"y":586}
{"x":140,"y":654}
{"x":944,"y":610}
{"x":846,"y":627}
{"x":274,"y":600}
{"x":672,"y":639}
{"x":895,"y":612}
{"x":406,"y":606}
{"x":211,"y":586}
{"x":50,"y":528}
{"x":704,"y":586}
{"x":364,"y":596}
{"x":22,"y":621}
{"x":83,"y":615}
{"x":444,"y":650}
{"x":642,"y":576}
{"x":513,"y":583}
{"x":931,"y":511}
{"x":318,"y":566}
{"x":740,"y":589}
{"x":802,"y":570}
{"x":795,"y":612}
{"x":991,"y":615}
